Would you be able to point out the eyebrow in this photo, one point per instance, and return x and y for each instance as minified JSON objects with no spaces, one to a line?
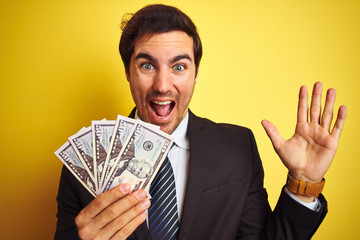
{"x":146,"y":56}
{"x":173,"y":60}
{"x":180,"y":57}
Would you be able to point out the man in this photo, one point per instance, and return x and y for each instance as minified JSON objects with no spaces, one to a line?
{"x":218,"y":172}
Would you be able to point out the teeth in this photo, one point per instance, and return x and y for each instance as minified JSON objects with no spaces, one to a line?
{"x":162,"y":103}
{"x":160,"y":116}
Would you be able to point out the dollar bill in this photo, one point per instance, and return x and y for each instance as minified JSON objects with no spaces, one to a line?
{"x":66,"y":153}
{"x":140,"y":158}
{"x":122,"y":129}
{"x":82,"y":143}
{"x":102,"y":132}
{"x":149,"y":125}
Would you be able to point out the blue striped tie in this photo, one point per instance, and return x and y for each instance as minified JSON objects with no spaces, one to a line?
{"x":163,"y":214}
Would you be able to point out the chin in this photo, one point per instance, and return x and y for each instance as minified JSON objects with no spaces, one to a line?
{"x":167,"y":129}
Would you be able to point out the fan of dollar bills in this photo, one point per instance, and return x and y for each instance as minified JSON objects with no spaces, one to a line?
{"x":112,"y":152}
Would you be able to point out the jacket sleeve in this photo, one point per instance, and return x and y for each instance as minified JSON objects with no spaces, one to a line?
{"x":292,"y":220}
{"x":71,"y":199}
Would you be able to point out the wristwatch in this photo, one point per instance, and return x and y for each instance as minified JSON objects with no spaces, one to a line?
{"x":303,"y":188}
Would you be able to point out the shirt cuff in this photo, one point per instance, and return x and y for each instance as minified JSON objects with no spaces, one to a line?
{"x":315,"y":206}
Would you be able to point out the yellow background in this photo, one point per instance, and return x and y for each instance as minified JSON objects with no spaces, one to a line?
{"x":60,"y":69}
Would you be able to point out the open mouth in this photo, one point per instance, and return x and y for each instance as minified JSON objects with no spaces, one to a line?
{"x":162,"y":109}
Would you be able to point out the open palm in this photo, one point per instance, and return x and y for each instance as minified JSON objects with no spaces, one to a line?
{"x":310,"y":151}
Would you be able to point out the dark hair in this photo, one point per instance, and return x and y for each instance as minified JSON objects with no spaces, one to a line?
{"x":154,"y":19}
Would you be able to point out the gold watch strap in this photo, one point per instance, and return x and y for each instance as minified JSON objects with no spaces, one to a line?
{"x":303,"y":188}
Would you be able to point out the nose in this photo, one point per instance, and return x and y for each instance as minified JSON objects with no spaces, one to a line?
{"x":162,"y":81}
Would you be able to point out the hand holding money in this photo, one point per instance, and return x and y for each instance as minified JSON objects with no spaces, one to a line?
{"x":114,"y":214}
{"x":116,"y":162}
{"x":113,"y":152}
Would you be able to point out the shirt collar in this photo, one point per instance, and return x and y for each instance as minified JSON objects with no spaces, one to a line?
{"x":179,"y":135}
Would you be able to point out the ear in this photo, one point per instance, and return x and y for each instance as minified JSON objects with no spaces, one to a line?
{"x":127,"y":74}
{"x":196,"y":75}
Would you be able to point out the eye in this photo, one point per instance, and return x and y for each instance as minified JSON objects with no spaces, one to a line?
{"x":147,"y":66}
{"x":179,"y":67}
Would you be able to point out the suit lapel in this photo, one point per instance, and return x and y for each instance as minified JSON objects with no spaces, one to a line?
{"x":196,"y":177}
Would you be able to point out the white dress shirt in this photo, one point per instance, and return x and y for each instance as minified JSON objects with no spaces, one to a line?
{"x":179,"y":156}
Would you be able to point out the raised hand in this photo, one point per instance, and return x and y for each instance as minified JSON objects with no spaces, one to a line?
{"x":308,"y":154}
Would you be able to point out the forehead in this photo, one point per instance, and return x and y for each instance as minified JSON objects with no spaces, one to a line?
{"x":173,"y":43}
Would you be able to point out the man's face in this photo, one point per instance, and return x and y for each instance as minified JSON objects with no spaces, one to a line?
{"x":162,"y":78}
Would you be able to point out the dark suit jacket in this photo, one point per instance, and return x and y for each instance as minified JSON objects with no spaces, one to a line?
{"x":224,"y":198}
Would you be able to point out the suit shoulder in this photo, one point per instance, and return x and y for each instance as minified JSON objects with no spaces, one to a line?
{"x":225,"y":127}
{"x":236,"y":128}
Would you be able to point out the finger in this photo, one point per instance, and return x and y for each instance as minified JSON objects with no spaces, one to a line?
{"x":130,"y":227}
{"x":125,"y":223}
{"x":328,"y":109}
{"x":315,"y":107}
{"x":302,"y":114}
{"x":340,"y":120}
{"x":273,"y":134}
{"x":85,"y":223}
{"x":118,"y":208}
{"x":104,"y":200}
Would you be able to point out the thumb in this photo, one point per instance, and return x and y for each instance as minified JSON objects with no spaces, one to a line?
{"x":273,"y":134}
